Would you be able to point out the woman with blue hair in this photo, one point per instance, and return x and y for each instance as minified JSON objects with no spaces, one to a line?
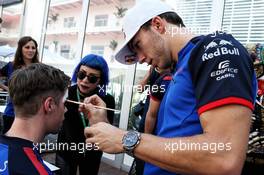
{"x":91,"y":76}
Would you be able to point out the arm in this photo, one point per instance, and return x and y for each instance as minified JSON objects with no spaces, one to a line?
{"x":4,"y":73}
{"x":220,"y":126}
{"x":226,"y":126}
{"x":4,"y":87}
{"x":151,"y":116}
{"x":157,"y":92}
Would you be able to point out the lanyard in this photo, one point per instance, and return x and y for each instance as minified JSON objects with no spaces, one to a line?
{"x":81,"y":113}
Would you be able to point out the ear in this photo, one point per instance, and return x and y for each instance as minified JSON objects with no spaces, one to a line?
{"x":49,"y":105}
{"x":159,"y":24}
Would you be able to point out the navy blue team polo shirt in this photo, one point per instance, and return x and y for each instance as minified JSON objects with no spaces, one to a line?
{"x":212,"y":71}
{"x":18,"y":156}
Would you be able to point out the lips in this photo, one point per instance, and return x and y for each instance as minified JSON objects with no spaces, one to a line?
{"x":30,"y":55}
{"x":84,"y":87}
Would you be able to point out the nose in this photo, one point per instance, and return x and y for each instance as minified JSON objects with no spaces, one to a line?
{"x":86,"y":79}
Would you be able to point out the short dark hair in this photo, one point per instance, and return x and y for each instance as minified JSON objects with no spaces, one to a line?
{"x":170,"y":17}
{"x":29,"y":86}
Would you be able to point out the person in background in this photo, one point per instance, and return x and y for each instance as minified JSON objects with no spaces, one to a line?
{"x":210,"y":98}
{"x":137,"y":167}
{"x":26,"y":53}
{"x":156,"y":82}
{"x":148,"y":80}
{"x":38,"y":93}
{"x":92,"y":77}
{"x":157,"y":91}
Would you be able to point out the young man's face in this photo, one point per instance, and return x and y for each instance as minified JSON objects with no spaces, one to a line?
{"x":151,"y":48}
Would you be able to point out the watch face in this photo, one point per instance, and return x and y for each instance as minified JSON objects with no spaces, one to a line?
{"x":130,"y":139}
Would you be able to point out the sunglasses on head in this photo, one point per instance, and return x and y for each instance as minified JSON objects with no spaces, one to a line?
{"x":91,"y":78}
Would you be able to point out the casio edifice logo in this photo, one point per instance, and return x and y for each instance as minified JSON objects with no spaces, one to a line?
{"x":218,"y":47}
{"x":223,"y":64}
{"x":224,"y":71}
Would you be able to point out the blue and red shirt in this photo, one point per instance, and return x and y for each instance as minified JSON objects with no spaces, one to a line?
{"x":212,"y":71}
{"x":19,"y":156}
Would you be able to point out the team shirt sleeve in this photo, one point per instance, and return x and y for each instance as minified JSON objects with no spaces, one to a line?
{"x":222,"y":73}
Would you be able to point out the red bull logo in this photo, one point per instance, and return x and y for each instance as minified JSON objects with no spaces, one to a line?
{"x":221,"y":49}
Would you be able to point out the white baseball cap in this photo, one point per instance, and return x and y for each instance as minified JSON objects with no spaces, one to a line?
{"x":143,"y":11}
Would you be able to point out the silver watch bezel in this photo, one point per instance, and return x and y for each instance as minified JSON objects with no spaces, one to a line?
{"x":129,"y":149}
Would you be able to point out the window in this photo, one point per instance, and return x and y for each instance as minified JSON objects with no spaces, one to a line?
{"x":69,"y":22}
{"x":10,"y":29}
{"x":62,"y":34}
{"x":98,"y":50}
{"x":245,"y":20}
{"x":100,"y":20}
{"x":196,"y":14}
{"x":65,"y":51}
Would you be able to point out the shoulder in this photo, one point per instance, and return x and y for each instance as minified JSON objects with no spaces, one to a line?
{"x":6,"y":67}
{"x":15,"y":151}
{"x":164,"y":78}
{"x":10,"y":65}
{"x":216,"y":47}
{"x":108,"y":98}
{"x":72,"y":90}
{"x":214,"y":41}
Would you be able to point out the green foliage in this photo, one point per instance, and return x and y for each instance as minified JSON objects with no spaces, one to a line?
{"x":120,"y":12}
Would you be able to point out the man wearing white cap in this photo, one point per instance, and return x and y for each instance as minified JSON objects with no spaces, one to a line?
{"x":204,"y":118}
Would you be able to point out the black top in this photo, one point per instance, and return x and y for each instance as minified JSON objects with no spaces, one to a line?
{"x":72,"y":130}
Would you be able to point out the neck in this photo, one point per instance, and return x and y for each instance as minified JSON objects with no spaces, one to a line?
{"x":27,"y":62}
{"x":27,"y":128}
{"x":181,"y":36}
{"x":83,"y":95}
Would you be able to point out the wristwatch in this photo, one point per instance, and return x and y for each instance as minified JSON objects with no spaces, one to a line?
{"x":130,"y":141}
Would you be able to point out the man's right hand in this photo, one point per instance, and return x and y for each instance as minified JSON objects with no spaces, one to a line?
{"x":107,"y":137}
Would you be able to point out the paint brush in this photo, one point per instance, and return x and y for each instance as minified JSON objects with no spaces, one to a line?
{"x":80,"y":103}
